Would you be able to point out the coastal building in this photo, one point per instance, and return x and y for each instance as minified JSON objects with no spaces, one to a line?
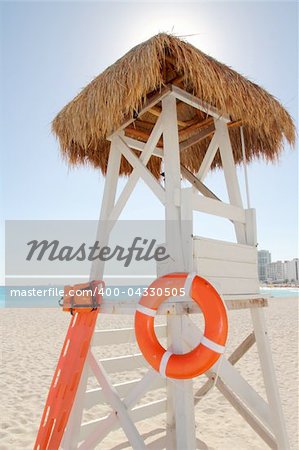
{"x":264,"y":258}
{"x":275,"y":272}
{"x":292,"y":270}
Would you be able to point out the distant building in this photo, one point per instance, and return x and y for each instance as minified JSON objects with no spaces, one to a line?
{"x":292,"y":270}
{"x":275,"y":272}
{"x":264,"y":258}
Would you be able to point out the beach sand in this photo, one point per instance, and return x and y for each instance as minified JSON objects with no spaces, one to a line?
{"x":31,"y":342}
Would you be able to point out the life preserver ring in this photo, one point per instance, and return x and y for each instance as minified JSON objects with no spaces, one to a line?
{"x":212,"y":344}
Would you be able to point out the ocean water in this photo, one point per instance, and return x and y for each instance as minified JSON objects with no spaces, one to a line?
{"x":10,"y":299}
{"x":281,"y":292}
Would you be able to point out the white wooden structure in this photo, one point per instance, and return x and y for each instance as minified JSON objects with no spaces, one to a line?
{"x":231,"y":267}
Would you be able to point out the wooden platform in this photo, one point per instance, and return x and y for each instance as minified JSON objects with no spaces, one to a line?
{"x":182,"y":307}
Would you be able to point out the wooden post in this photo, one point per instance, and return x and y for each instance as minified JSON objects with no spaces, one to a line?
{"x":230,"y":174}
{"x":180,"y":405}
{"x":71,"y":436}
{"x":264,"y":351}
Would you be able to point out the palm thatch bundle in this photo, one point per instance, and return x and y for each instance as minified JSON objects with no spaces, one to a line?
{"x":123,"y":89}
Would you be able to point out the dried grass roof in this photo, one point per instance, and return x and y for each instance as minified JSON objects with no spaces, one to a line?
{"x":123,"y":88}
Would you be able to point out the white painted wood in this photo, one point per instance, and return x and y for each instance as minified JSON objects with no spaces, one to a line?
{"x":95,"y":396}
{"x":142,"y":171}
{"x":245,"y":166}
{"x":135,"y":175}
{"x":187,"y":228}
{"x":218,"y":208}
{"x":208,"y":158}
{"x":120,"y":409}
{"x":191,"y":100}
{"x":231,"y":268}
{"x":226,"y":269}
{"x":264,"y":350}
{"x":223,"y":250}
{"x":250,"y":227}
{"x":71,"y":435}
{"x":124,"y":362}
{"x":138,"y":414}
{"x":230,"y":286}
{"x":122,"y":335}
{"x":105,"y":425}
{"x":247,"y":415}
{"x":233,"y":379}
{"x":180,"y":408}
{"x":165,"y":91}
{"x":138,"y":145}
{"x":230,"y":174}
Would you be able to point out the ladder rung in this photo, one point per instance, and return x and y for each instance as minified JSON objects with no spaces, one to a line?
{"x":138,"y":414}
{"x":95,"y":396}
{"x":121,"y":336}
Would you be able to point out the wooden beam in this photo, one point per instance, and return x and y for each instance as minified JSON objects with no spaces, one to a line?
{"x":236,"y":123}
{"x":152,"y":101}
{"x":197,"y":103}
{"x":140,"y":134}
{"x":194,"y":126}
{"x":156,"y":111}
{"x":244,"y":412}
{"x":139,"y":145}
{"x":142,"y":171}
{"x":200,"y":136}
{"x":117,"y":405}
{"x":217,"y":208}
{"x":208,"y":158}
{"x":202,"y":188}
{"x":233,"y":359}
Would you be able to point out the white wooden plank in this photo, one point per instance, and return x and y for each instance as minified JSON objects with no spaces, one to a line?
{"x":95,"y":396}
{"x":245,"y":166}
{"x":250,"y":227}
{"x":120,"y":409}
{"x":191,"y":100}
{"x":121,"y":363}
{"x":142,"y":171}
{"x":138,"y":145}
{"x":208,"y":158}
{"x":233,"y":380}
{"x":268,"y":370}
{"x":137,"y":414}
{"x":221,"y":250}
{"x":230,"y":174}
{"x":222,"y":268}
{"x":135,"y":175}
{"x":165,"y":91}
{"x":129,"y":401}
{"x":122,"y":335}
{"x":247,"y":415}
{"x":218,"y":208}
{"x":180,"y":407}
{"x":233,"y":286}
{"x":71,"y":435}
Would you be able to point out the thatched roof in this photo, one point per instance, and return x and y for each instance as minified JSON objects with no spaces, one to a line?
{"x":123,"y":88}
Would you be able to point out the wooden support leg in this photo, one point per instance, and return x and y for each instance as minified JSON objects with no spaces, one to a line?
{"x":181,"y":394}
{"x":71,"y":435}
{"x":264,"y":351}
{"x":233,"y":359}
{"x":180,"y":405}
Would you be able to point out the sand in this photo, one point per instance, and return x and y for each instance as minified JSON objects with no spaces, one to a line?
{"x":31,"y":342}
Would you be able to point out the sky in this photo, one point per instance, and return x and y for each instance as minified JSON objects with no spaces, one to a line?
{"x":51,"y":50}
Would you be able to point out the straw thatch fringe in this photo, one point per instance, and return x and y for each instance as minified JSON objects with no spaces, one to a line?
{"x":83,"y":125}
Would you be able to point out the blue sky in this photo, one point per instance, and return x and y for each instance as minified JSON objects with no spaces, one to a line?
{"x":50,"y":50}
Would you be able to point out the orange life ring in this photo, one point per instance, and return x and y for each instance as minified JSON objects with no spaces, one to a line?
{"x":212,"y":344}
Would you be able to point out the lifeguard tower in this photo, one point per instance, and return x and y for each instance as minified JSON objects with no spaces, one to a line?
{"x":167,"y":107}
